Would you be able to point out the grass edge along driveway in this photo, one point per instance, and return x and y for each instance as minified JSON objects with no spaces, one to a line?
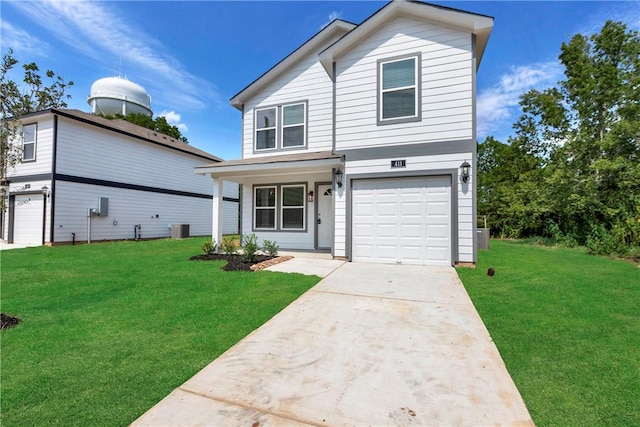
{"x":110,"y":329}
{"x":568,"y":328}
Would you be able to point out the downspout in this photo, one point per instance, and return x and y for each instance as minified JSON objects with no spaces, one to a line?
{"x":89,"y":225}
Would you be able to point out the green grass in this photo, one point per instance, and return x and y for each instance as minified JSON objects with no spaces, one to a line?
{"x":568,"y":328}
{"x":109,"y":329}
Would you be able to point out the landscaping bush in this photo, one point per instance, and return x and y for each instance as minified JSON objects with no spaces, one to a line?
{"x":209,"y":247}
{"x":249,"y":247}
{"x":270,"y":247}
{"x":228,"y":245}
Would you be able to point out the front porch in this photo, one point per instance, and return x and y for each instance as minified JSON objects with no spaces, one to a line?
{"x":288,"y":199}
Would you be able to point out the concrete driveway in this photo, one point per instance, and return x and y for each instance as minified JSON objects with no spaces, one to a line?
{"x":369,"y":345}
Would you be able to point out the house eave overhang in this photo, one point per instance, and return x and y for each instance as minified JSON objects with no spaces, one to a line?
{"x":336,"y":27}
{"x":272,"y":166}
{"x":480,"y":25}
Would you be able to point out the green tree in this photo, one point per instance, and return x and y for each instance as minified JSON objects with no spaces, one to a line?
{"x":18,"y":99}
{"x":586,"y":134}
{"x":159,"y":124}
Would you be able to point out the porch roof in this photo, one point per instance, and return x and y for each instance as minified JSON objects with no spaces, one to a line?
{"x":321,"y":161}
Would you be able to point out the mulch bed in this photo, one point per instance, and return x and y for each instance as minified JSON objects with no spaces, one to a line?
{"x":236,"y":263}
{"x":7,"y":321}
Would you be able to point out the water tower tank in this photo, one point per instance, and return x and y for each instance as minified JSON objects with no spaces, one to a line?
{"x":115,"y":95}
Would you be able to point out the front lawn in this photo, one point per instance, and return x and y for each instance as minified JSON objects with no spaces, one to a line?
{"x":568,"y":328}
{"x":109,"y":329}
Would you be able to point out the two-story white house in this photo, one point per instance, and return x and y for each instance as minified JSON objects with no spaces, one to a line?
{"x":362,"y":141}
{"x":85,"y":178}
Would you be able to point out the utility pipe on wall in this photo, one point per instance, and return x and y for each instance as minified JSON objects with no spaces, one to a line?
{"x":89,"y":225}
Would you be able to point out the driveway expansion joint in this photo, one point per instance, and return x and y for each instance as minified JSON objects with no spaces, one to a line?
{"x":385,"y":297}
{"x":249,"y":407}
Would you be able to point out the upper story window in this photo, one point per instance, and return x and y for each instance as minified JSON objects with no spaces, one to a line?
{"x":29,"y":142}
{"x":281,"y":127}
{"x":399,"y":90}
{"x":266,"y":129}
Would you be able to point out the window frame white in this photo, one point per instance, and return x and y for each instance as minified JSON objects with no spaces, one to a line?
{"x":303,"y":205}
{"x":274,"y":208}
{"x":417,"y":116}
{"x":263,"y":129}
{"x":34,"y":142}
{"x":280,"y":127}
{"x":279,"y":207}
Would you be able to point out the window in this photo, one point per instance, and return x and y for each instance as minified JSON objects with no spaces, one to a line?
{"x":281,"y":127}
{"x":398,"y":98}
{"x":29,"y":142}
{"x":266,"y":128}
{"x":265,"y":208}
{"x":293,"y":118}
{"x":293,"y":203}
{"x":280,"y":207}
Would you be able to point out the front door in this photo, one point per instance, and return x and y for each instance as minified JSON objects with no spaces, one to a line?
{"x":324,"y":215}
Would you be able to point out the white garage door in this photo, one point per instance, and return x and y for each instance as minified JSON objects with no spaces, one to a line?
{"x":27,"y":220}
{"x":402,"y":220}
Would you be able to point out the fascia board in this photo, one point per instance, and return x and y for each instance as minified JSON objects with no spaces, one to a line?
{"x":476,"y":24}
{"x":308,"y":48}
{"x":266,"y":168}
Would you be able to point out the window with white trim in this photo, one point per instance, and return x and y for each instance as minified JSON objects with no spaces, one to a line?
{"x":281,"y":127}
{"x":399,"y":90}
{"x":266,"y":128}
{"x":292,"y":207}
{"x":29,"y":142}
{"x":280,"y":207}
{"x":264,"y":208}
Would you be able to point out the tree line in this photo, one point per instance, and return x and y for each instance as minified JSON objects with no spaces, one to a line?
{"x":571,"y":171}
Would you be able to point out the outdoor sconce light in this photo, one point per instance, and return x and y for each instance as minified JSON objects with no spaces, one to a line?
{"x":45,"y":191}
{"x":465,"y":171}
{"x":310,"y":197}
{"x":338,"y":174}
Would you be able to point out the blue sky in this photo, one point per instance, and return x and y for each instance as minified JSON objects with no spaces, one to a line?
{"x":192,"y":56}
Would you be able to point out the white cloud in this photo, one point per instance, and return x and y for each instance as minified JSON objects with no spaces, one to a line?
{"x":99,"y":31}
{"x":174,"y":119}
{"x":332,"y":17}
{"x":22,"y":43}
{"x":497,"y":106}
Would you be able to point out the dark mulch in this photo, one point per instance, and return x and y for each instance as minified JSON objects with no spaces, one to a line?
{"x":7,"y":321}
{"x":234,"y":262}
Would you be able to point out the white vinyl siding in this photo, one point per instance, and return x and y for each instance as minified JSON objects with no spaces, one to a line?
{"x":43,"y":151}
{"x":88,"y":151}
{"x":446,"y":86}
{"x":306,"y":80}
{"x":127,"y":208}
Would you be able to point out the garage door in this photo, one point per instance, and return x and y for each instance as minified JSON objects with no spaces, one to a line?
{"x":27,"y":222}
{"x":406,"y":220}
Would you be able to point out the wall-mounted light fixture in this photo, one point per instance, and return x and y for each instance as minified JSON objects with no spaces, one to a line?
{"x":465,"y":171}
{"x":338,"y":174}
{"x":45,"y":191}
{"x":310,"y":197}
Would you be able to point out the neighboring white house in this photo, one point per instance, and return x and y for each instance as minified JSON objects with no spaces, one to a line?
{"x":110,"y":178}
{"x":363,"y":140}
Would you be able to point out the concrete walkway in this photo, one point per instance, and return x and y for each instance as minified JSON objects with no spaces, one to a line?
{"x":372,"y":345}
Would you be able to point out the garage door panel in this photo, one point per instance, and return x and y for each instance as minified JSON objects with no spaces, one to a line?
{"x":27,"y":226}
{"x":408,"y":220}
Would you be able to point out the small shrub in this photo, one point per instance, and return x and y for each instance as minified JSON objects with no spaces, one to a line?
{"x":270,"y":247}
{"x":209,"y":247}
{"x":228,"y":245}
{"x":249,"y":247}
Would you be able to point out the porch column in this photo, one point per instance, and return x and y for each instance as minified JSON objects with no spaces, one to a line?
{"x":218,"y":217}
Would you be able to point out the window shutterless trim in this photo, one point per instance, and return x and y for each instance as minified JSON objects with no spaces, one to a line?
{"x":280,"y":127}
{"x":274,"y":208}
{"x":278,"y":208}
{"x":35,"y":140}
{"x":417,"y":85}
{"x":303,"y":205}
{"x":256,"y":129}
